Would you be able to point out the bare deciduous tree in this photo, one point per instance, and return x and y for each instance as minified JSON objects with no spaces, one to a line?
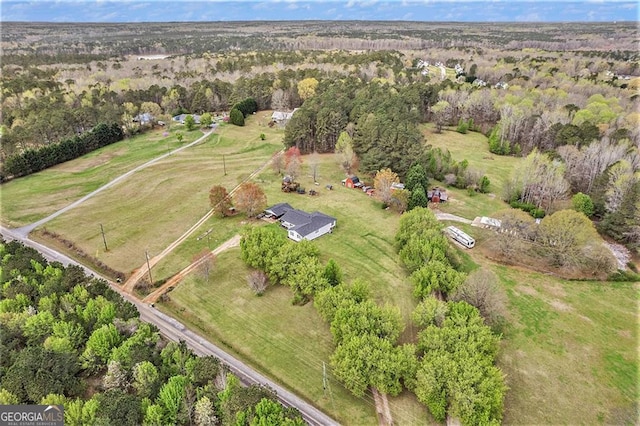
{"x":205,"y":260}
{"x":258,"y":282}
{"x":481,"y":290}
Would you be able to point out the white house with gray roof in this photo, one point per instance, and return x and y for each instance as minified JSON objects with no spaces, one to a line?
{"x":301,"y":225}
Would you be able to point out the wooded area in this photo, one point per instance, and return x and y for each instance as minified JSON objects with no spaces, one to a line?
{"x":573,"y":100}
{"x":69,"y":339}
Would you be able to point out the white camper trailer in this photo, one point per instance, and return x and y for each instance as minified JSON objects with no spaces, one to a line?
{"x":460,"y":236}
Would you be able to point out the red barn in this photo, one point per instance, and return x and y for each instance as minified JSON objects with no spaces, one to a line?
{"x":352,"y":182}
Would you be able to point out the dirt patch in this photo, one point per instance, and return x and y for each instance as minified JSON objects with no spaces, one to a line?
{"x":527,"y":290}
{"x":563,"y":307}
{"x":382,"y":408}
{"x":625,"y":333}
{"x":586,"y":318}
{"x":556,"y":290}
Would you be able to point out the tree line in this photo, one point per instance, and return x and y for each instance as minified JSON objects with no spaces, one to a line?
{"x":33,"y":160}
{"x":68,"y":339}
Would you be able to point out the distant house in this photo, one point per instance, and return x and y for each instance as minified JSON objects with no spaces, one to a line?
{"x":281,"y":117}
{"x":144,"y":119}
{"x":180,"y":118}
{"x":352,"y":182}
{"x":301,"y":225}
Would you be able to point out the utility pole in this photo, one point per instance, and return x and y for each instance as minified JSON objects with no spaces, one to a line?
{"x":206,"y":234}
{"x":104,"y":240}
{"x":224,"y":165}
{"x":146,"y":253}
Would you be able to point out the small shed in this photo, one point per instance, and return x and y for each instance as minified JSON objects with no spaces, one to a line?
{"x":437,"y":195}
{"x":352,"y":182}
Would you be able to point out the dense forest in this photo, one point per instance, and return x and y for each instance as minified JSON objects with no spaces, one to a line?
{"x":69,"y":339}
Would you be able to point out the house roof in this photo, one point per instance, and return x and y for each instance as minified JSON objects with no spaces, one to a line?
{"x":281,"y":115}
{"x":279,"y":209}
{"x":180,"y":118}
{"x":143,"y":118}
{"x":306,"y":223}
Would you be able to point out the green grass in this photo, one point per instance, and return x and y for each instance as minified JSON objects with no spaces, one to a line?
{"x":153,"y":207}
{"x":570,"y":350}
{"x":474,"y":148}
{"x":30,"y":198}
{"x":289,"y":343}
{"x":362,"y":244}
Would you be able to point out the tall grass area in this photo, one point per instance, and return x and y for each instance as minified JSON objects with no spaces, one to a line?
{"x":30,"y":198}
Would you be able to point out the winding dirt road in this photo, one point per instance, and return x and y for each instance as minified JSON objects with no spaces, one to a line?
{"x":143,"y":270}
{"x":175,"y":280}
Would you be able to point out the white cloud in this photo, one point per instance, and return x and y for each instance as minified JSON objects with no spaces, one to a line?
{"x":529,"y":17}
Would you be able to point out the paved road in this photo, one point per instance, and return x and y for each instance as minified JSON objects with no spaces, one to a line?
{"x":25,"y":230}
{"x":174,"y":330}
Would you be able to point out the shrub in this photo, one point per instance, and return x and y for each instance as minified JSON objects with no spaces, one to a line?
{"x":583,"y":203}
{"x":236,"y":117}
{"x":263,"y":136}
{"x":463,"y":126}
{"x":624,"y":276}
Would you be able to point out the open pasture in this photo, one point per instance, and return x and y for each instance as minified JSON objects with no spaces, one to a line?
{"x":150,"y":209}
{"x":474,"y":148}
{"x":30,"y":198}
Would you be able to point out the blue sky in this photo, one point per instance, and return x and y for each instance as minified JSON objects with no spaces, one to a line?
{"x":247,"y":10}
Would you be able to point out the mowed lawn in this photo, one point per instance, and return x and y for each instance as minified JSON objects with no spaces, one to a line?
{"x":570,"y":352}
{"x":30,"y":198}
{"x":153,"y":207}
{"x":288,"y":343}
{"x":474,"y":148}
{"x":261,"y":330}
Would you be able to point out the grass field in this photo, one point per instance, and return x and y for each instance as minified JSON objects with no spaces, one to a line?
{"x":570,"y":350}
{"x":474,"y":148}
{"x":156,"y":205}
{"x":33,"y":197}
